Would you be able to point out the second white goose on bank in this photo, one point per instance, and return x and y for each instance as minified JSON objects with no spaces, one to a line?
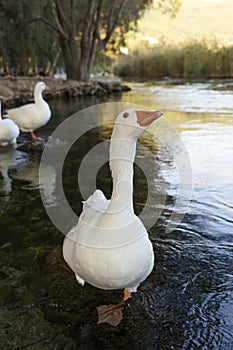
{"x":32,"y":116}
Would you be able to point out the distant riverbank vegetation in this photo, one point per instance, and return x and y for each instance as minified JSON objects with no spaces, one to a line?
{"x":194,"y":59}
{"x":37,"y":37}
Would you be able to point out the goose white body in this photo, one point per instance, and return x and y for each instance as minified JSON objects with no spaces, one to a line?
{"x":110,"y":248}
{"x":33,"y":115}
{"x":106,"y":256}
{"x":9,"y":131}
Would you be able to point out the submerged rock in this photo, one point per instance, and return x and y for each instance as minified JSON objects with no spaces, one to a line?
{"x":6,"y":293}
{"x":36,"y":145}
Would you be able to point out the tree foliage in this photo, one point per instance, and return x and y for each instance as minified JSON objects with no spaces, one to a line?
{"x":169,"y":6}
{"x":84,"y":28}
{"x":35,"y":33}
{"x":22,"y":47}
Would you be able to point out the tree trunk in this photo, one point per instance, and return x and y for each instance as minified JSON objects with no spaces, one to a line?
{"x":85,"y":65}
{"x":84,"y":71}
{"x":69,"y":50}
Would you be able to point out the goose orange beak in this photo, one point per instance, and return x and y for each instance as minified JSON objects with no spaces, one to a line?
{"x":145,"y":118}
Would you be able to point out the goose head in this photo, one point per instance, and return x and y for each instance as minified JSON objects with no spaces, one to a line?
{"x":131,"y":124}
{"x":41,"y":86}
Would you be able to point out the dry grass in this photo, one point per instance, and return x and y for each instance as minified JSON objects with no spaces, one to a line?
{"x":196,"y":59}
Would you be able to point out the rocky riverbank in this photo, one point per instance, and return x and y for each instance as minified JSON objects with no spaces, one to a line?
{"x":17,"y":90}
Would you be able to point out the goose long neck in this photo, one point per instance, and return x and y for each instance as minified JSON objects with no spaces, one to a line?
{"x":122,"y":154}
{"x":38,"y":98}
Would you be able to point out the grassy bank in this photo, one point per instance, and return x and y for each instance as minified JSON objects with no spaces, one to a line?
{"x":190,"y":60}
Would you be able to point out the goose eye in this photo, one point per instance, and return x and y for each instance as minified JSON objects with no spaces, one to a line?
{"x":125,"y":115}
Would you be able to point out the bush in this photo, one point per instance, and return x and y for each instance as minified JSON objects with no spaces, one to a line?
{"x":194,"y":59}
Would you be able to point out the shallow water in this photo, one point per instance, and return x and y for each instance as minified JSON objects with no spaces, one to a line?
{"x":187,"y":301}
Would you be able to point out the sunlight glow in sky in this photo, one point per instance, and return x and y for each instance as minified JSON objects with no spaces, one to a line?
{"x":196,"y":20}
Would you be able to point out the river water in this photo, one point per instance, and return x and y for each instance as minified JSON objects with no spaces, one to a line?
{"x":187,"y":301}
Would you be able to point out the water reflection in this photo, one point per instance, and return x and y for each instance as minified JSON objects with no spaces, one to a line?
{"x":10,"y":158}
{"x":31,"y":177}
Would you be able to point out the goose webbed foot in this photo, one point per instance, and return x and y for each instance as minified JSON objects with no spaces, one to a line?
{"x":112,"y":313}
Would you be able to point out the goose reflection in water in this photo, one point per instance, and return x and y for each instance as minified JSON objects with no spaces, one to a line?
{"x":45,"y":179}
{"x":10,"y":158}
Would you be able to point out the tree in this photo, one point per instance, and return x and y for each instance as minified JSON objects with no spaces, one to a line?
{"x":84,"y":28}
{"x":23,"y":50}
{"x":169,"y":6}
{"x":79,"y":29}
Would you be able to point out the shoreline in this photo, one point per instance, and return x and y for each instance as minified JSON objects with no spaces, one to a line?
{"x":19,"y":90}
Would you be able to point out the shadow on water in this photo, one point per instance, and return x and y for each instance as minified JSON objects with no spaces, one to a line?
{"x":186,"y":303}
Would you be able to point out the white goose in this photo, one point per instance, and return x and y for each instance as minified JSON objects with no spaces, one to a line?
{"x":33,"y":115}
{"x":9,"y":131}
{"x":109,"y":248}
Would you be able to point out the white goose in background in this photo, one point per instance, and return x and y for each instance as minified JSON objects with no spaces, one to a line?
{"x":110,"y":248}
{"x":33,"y":115}
{"x":9,"y":131}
